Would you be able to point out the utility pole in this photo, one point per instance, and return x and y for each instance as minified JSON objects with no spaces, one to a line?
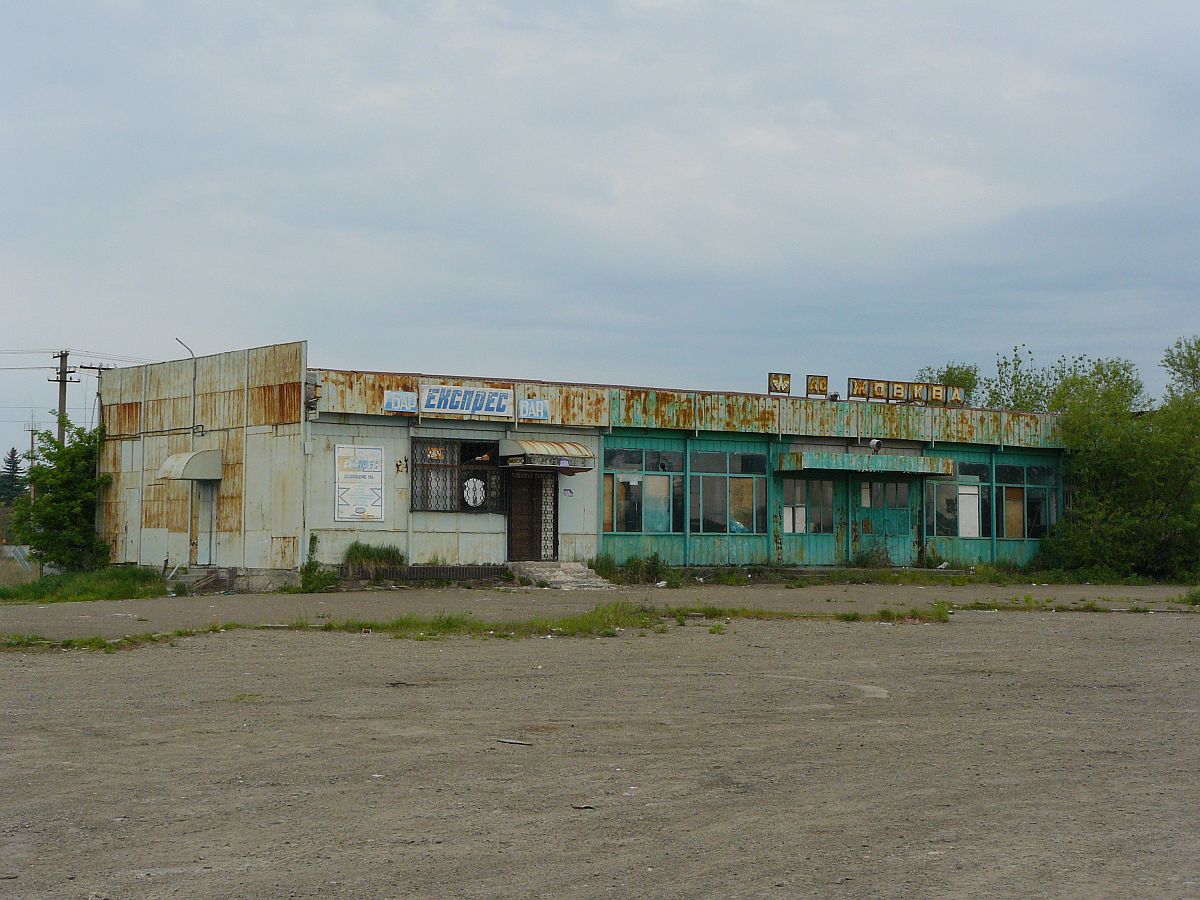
{"x":32,"y":429}
{"x":63,"y":381}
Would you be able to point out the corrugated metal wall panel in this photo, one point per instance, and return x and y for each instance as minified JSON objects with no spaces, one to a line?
{"x":801,"y":416}
{"x":637,"y":408}
{"x":225,"y":409}
{"x":892,"y":422}
{"x":276,"y":364}
{"x":569,"y":404}
{"x":749,"y":413}
{"x":275,"y":404}
{"x":579,"y":405}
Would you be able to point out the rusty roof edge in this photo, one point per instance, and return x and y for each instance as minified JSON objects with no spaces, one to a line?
{"x":697,"y":391}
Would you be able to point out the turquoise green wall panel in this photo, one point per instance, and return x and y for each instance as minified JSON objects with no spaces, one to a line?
{"x":960,"y":551}
{"x":812,"y":550}
{"x":624,"y":547}
{"x":971,"y":551}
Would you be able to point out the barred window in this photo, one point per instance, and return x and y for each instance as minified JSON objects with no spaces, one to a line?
{"x":456,"y":476}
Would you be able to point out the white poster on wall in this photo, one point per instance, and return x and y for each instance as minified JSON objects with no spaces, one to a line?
{"x":358,"y":484}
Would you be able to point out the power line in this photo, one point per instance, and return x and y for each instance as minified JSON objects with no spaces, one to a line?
{"x":25,"y":368}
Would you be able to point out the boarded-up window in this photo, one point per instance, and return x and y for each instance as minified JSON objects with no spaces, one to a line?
{"x":1014,"y":512}
{"x":968,"y":510}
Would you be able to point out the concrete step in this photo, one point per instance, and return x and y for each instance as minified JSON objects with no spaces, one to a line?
{"x":565,"y":576}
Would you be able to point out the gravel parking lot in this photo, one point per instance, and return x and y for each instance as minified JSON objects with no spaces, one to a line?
{"x":1030,"y":754}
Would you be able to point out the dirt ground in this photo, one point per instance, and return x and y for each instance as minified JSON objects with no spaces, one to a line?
{"x":1000,"y":754}
{"x":119,"y":617}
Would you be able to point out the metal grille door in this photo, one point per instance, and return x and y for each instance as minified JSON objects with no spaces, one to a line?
{"x":533,"y":516}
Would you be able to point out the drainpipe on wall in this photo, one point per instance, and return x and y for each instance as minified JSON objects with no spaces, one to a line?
{"x":687,"y":493}
{"x":994,"y":509}
{"x":191,"y":449}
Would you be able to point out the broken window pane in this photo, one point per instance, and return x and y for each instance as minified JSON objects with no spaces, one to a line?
{"x":629,"y":503}
{"x":657,"y":504}
{"x":625,"y":460}
{"x":741,"y":505}
{"x":706,"y":461}
{"x":714,"y":504}
{"x":664,"y":460}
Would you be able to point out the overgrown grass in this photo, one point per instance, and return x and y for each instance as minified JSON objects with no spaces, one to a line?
{"x":314,"y":578}
{"x":637,"y":570}
{"x":117,"y":583}
{"x":1191,"y":598}
{"x":108,"y":645}
{"x":604,"y":621}
{"x":369,"y":561}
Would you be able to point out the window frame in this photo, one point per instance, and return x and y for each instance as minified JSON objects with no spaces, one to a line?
{"x":423,"y":495}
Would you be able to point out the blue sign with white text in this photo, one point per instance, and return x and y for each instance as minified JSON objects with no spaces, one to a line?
{"x":399,"y":401}
{"x":532,"y":408}
{"x":462,"y":401}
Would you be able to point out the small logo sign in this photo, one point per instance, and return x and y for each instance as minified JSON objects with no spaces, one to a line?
{"x":474,"y":492}
{"x":779,"y":383}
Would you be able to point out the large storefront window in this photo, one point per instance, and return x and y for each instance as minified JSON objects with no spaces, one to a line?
{"x":1026,"y":502}
{"x":456,"y":476}
{"x":644,"y":492}
{"x":807,"y":506}
{"x":641,"y":493}
{"x":731,"y":500}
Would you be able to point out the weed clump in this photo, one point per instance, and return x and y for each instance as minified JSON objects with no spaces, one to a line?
{"x":313,"y":577}
{"x":115,"y":583}
{"x":369,"y":561}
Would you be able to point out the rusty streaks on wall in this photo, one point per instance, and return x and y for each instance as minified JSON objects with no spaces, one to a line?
{"x":817,"y":417}
{"x":649,"y":408}
{"x":359,"y":392}
{"x":225,"y":409}
{"x":122,"y":418}
{"x":579,"y":405}
{"x":275,"y":404}
{"x":591,"y":406}
{"x":752,"y":413}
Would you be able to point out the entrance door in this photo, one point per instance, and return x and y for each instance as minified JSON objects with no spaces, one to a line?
{"x":533,"y":516}
{"x":206,"y":519}
{"x":884,"y":528}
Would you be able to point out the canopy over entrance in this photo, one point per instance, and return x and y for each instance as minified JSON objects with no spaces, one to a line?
{"x":566,"y":457}
{"x":861,"y":462}
{"x":199,"y":465}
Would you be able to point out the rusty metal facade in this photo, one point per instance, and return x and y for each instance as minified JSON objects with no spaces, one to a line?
{"x":249,"y":405}
{"x":607,"y":406}
{"x":278,"y":423}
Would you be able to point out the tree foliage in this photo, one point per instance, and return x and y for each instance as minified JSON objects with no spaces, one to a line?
{"x":12,"y":483}
{"x":1132,"y":468}
{"x":1182,"y":362}
{"x":58,"y":524}
{"x":954,"y":374}
{"x":1134,"y":474}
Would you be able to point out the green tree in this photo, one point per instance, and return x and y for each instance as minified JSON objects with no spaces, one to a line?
{"x":59,"y":524}
{"x":12,"y":485}
{"x":1134,"y":473}
{"x":1182,"y":362}
{"x":1019,"y":382}
{"x":954,"y":374}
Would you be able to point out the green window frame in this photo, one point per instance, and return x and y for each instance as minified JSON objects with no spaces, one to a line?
{"x":807,"y":506}
{"x":729,"y":495}
{"x":643,"y":491}
{"x":1026,"y":501}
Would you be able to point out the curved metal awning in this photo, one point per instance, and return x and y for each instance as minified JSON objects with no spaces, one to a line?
{"x":199,"y":465}
{"x":567,"y":457}
{"x":892,"y":464}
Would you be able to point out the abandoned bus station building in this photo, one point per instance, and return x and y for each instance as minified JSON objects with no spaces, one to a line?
{"x":234,"y":460}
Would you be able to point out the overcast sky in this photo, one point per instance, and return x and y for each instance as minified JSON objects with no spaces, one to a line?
{"x":663,"y":193}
